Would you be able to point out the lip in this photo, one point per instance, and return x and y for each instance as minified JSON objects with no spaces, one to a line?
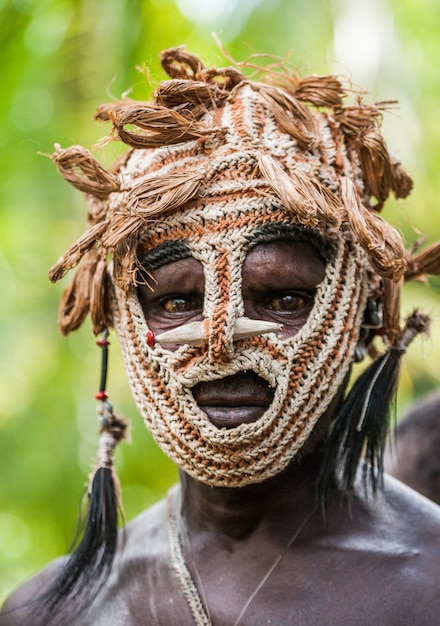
{"x":234,"y":400}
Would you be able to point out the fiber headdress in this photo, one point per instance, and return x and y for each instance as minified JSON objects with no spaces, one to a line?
{"x":217,"y":157}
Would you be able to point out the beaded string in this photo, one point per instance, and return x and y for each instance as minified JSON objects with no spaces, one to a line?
{"x":103,"y":343}
{"x":113,"y":428}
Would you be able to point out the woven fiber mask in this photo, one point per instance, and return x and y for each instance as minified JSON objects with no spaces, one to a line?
{"x":304,"y":372}
{"x":219,"y":163}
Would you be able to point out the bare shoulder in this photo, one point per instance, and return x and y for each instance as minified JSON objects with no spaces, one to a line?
{"x":405,"y":533}
{"x":384,"y":554}
{"x":415,"y":524}
{"x":413,"y":515}
{"x":409,"y":525}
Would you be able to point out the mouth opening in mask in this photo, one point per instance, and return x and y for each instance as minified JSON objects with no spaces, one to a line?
{"x":233,"y":400}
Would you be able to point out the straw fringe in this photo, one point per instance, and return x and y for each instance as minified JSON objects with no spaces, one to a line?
{"x":120,"y":228}
{"x":380,"y":241}
{"x":382,"y":172}
{"x":195,"y":95}
{"x":375,"y":163}
{"x":161,"y":126}
{"x":77,"y":251}
{"x":426,"y":262}
{"x":88,"y":292}
{"x":80,"y":168}
{"x":294,"y":118}
{"x":126,"y":264}
{"x":158,"y":194}
{"x":321,"y":91}
{"x":179,"y":63}
{"x":309,"y":200}
{"x":360,"y":118}
{"x":401,"y":182}
{"x":100,"y":285}
{"x":150,"y":198}
{"x":104,"y":111}
{"x":391,"y":309}
{"x":75,"y":301}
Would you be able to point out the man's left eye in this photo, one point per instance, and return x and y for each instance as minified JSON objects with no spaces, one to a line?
{"x":290,"y":302}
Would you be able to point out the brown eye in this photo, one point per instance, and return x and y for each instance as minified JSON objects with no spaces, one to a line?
{"x":180,"y":304}
{"x":290,"y":302}
{"x":175,"y":305}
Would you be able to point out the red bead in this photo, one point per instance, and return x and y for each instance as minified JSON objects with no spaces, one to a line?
{"x":101,"y":395}
{"x":102,"y":343}
{"x":151,"y":339}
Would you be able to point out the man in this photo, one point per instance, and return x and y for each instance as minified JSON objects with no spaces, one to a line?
{"x":249,"y":269}
{"x":413,"y":454}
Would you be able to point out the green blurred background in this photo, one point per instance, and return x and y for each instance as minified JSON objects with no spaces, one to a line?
{"x":59,"y":60}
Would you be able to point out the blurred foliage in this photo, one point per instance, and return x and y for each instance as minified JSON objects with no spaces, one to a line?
{"x":59,"y":60}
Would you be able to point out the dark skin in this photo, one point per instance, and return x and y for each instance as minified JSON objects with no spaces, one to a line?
{"x":279,"y":283}
{"x":375,"y":562}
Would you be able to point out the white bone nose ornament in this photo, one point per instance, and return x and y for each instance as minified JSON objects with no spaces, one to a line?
{"x":197,"y":333}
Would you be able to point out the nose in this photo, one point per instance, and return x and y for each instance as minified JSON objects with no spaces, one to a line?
{"x":200,"y":333}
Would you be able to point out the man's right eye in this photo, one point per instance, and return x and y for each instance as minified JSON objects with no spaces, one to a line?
{"x":181,"y":304}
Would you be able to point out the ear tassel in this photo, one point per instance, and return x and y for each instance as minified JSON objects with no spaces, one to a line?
{"x":362,"y":424}
{"x":89,"y":566}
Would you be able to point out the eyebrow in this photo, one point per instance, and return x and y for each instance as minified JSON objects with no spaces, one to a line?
{"x":296,"y":232}
{"x":164,"y":253}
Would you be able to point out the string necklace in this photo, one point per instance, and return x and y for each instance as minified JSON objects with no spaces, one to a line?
{"x":185,"y":579}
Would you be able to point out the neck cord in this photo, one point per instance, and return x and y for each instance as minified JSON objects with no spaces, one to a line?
{"x":186,"y":582}
{"x":181,"y":571}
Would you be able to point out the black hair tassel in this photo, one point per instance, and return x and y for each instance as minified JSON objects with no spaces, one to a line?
{"x":88,"y":567}
{"x":361,"y":426}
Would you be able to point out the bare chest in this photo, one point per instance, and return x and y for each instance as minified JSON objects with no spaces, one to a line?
{"x":320,"y":586}
{"x":308,"y":587}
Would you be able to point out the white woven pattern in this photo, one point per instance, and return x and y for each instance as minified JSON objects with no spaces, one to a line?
{"x":218,"y":227}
